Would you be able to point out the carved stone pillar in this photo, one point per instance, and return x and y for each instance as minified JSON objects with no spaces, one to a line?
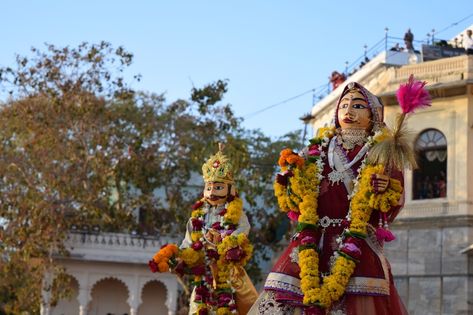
{"x":134,"y":300}
{"x":84,"y":296}
{"x":171,"y":297}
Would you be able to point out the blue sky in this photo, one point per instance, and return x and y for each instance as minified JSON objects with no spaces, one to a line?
{"x":269,"y":50}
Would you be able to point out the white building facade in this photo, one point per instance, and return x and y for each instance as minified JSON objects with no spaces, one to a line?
{"x":111,"y":277}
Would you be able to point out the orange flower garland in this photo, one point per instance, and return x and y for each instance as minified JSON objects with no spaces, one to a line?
{"x":165,"y":257}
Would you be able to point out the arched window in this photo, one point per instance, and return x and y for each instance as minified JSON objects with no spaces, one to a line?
{"x":430,"y":179}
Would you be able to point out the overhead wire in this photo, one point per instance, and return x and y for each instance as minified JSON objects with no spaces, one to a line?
{"x":313,"y":90}
{"x":249,"y":115}
{"x":453,"y":24}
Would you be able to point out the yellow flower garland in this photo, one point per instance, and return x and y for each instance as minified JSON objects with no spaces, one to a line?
{"x":366,"y":200}
{"x":233,"y":241}
{"x":191,"y":257}
{"x":234,"y":211}
{"x":325,"y":132}
{"x":224,"y":311}
{"x":305,"y":183}
{"x":284,"y":199}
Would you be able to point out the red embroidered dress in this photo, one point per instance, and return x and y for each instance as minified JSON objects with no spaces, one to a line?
{"x":371,"y":282}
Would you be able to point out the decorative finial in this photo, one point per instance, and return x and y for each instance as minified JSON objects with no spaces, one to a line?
{"x":221,"y":146}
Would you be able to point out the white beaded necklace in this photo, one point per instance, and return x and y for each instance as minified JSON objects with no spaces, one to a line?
{"x":341,"y":170}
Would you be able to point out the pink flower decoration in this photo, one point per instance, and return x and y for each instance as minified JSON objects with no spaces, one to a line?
{"x":307,"y":240}
{"x":203,"y":292}
{"x":351,"y":247}
{"x":234,"y":254}
{"x":224,"y":299}
{"x":413,"y":95}
{"x":306,"y":233}
{"x":197,"y":245}
{"x":351,"y":250}
{"x":216,"y":226}
{"x":294,"y":216}
{"x":313,"y":150}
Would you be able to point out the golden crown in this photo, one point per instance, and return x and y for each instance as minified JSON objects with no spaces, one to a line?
{"x":218,"y":168}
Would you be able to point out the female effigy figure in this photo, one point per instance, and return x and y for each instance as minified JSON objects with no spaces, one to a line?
{"x":343,"y":190}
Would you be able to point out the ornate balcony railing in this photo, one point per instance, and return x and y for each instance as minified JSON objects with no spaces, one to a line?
{"x":116,"y":247}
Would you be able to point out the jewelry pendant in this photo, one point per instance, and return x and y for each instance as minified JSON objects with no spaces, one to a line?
{"x":335,"y":177}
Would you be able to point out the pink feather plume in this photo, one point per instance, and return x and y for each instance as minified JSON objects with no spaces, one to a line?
{"x":413,"y":95}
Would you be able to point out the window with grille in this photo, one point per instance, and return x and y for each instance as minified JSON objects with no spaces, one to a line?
{"x":430,"y":178}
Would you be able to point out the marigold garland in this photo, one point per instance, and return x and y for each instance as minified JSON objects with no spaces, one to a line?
{"x":234,"y":212}
{"x":284,"y":199}
{"x":165,"y":257}
{"x":243,"y":248}
{"x":309,"y":264}
{"x":324,"y":133}
{"x":366,"y":200}
{"x":302,"y":184}
{"x":288,"y":157}
{"x":224,"y":311}
{"x":191,"y":257}
{"x":196,"y":236}
{"x":196,"y":257}
{"x":240,"y":242}
{"x":230,"y":217}
{"x":202,"y":308}
{"x":300,"y":195}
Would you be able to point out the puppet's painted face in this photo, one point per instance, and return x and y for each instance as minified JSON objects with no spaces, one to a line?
{"x":216,"y":193}
{"x":354,"y":111}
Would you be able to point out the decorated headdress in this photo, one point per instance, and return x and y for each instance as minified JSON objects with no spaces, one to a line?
{"x":375,"y":105}
{"x":218,"y":168}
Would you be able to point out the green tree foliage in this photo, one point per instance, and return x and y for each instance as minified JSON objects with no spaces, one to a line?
{"x":79,"y":146}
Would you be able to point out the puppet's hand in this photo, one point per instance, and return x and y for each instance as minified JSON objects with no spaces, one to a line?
{"x":213,"y":237}
{"x":379,"y":182}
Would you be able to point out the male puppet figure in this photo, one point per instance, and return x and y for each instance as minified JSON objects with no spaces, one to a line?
{"x":216,"y":235}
